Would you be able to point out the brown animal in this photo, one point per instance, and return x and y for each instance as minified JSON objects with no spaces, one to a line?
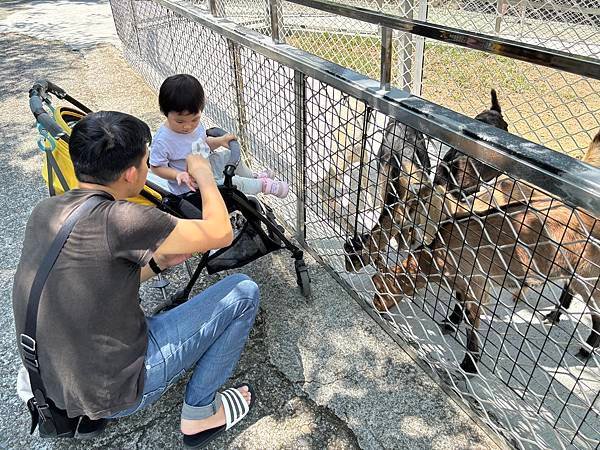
{"x":523,"y":241}
{"x":461,"y":174}
{"x":404,"y":165}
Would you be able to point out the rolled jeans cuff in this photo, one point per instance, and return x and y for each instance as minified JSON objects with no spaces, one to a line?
{"x":189,"y":412}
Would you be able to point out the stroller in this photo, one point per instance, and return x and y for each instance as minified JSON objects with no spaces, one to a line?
{"x":257,"y":232}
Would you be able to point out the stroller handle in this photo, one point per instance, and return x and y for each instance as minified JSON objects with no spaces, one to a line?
{"x":236,"y":152}
{"x":38,"y":94}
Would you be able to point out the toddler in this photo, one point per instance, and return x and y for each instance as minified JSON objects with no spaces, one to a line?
{"x":181,"y":100}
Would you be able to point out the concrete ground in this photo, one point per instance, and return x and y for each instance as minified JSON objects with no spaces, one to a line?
{"x":326,"y":375}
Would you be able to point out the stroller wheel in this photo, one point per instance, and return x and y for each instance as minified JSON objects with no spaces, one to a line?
{"x":303,"y":278}
{"x":304,"y":283}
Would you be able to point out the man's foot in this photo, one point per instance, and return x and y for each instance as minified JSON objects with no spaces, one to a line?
{"x":267,"y":173}
{"x":196,"y":426}
{"x":277,"y":188}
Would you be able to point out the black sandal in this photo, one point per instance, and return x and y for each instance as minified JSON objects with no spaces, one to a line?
{"x":236,"y":409}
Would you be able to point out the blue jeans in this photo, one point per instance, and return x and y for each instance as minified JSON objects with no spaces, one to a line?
{"x":209,"y":332}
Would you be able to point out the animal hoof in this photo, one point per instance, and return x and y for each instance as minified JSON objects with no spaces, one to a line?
{"x":584,"y":353}
{"x":552,"y":317}
{"x":448,"y":327}
{"x":468,"y":365}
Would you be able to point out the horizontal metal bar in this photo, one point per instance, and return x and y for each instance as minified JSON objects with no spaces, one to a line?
{"x":576,"y":64}
{"x":576,"y":183}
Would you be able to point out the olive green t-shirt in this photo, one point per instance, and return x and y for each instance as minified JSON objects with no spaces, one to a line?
{"x":91,"y":332}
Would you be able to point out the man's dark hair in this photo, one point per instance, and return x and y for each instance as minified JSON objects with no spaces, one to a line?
{"x":105,"y":144}
{"x":180,"y":93}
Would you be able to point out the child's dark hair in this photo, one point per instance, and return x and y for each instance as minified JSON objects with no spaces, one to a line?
{"x":180,"y":93}
{"x":105,"y":144}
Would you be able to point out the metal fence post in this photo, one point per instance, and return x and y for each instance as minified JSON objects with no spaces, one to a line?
{"x":385,"y":68}
{"x":501,"y":7}
{"x":386,"y":58}
{"x":135,"y":27}
{"x":417,"y":82}
{"x":300,"y":130}
{"x":236,"y":65}
{"x":405,"y":41}
{"x":216,"y":8}
{"x":276,"y":21}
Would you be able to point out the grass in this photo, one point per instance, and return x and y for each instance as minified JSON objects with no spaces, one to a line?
{"x":553,"y":108}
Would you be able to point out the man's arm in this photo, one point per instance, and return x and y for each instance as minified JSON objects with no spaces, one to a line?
{"x":147,"y":273}
{"x":214,"y":229}
{"x":162,"y":261}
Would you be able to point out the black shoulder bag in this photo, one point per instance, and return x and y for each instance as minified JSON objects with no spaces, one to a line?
{"x":52,"y":421}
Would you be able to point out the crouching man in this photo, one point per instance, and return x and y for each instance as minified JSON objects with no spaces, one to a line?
{"x":92,"y":354}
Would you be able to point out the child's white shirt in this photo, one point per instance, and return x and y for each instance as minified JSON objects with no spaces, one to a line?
{"x":170,"y":149}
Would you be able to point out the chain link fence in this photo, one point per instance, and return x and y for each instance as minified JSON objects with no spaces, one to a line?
{"x":546,"y":106}
{"x":476,"y":250}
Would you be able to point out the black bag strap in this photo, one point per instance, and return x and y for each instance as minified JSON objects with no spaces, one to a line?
{"x":27,"y":339}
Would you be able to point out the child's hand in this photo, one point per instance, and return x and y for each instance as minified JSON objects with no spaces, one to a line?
{"x":184,"y":177}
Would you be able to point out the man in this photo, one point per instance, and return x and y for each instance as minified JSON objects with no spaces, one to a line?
{"x":99,"y":357}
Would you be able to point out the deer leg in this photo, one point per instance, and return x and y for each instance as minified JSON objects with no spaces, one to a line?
{"x":566,"y":296}
{"x":451,"y":323}
{"x":521,"y":293}
{"x":593,"y":340}
{"x":363,"y":250}
{"x":379,"y":239}
{"x":472,"y":356}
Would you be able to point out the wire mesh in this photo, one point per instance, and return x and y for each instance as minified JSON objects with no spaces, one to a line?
{"x":543,"y":105}
{"x":491,"y":262}
{"x":546,"y":106}
{"x":490,"y":279}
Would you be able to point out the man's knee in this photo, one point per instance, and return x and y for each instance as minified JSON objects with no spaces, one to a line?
{"x":246,"y":289}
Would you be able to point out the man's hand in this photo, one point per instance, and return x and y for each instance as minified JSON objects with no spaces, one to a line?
{"x":197,"y":163}
{"x":184,"y":177}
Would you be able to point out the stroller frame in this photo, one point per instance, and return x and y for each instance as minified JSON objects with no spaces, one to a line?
{"x":271,"y":239}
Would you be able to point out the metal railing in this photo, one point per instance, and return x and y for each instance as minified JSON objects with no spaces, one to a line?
{"x":502,"y":240}
{"x":545,"y":105}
